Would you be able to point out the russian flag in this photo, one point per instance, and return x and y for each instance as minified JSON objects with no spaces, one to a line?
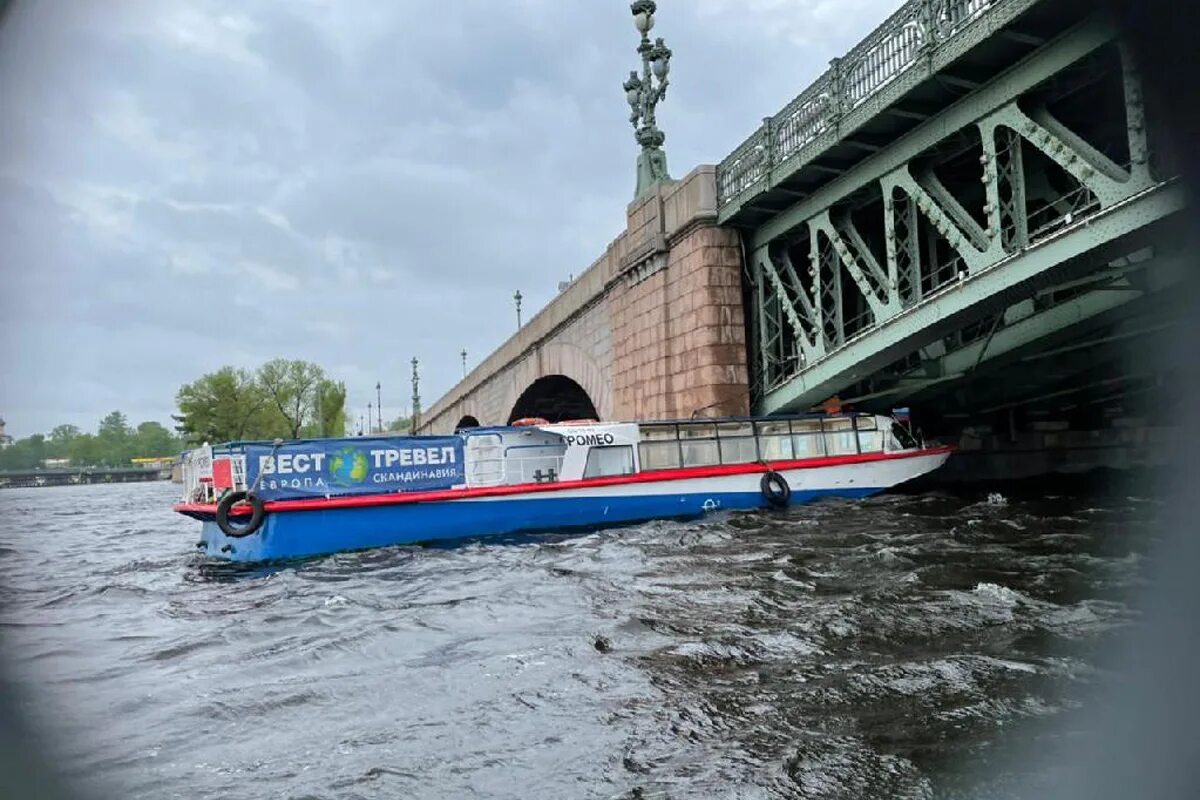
{"x":901,"y":415}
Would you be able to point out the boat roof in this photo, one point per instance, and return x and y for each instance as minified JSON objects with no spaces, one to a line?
{"x":504,"y":429}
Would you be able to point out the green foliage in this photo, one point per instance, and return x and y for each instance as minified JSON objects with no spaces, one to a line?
{"x":113,"y":445}
{"x":225,"y":405}
{"x":64,"y":434}
{"x":294,"y":388}
{"x":283,"y":399}
{"x":331,"y":409}
{"x":153,"y":438}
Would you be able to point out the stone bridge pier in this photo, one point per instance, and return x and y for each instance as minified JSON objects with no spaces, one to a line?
{"x":653,"y":329}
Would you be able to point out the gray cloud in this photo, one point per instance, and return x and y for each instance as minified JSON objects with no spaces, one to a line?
{"x":185,"y":185}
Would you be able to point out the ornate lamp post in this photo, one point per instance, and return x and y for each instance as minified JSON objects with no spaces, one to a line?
{"x":464,"y":360}
{"x":379,"y":406}
{"x":416,"y":403}
{"x":517,"y":298}
{"x":643,"y":94}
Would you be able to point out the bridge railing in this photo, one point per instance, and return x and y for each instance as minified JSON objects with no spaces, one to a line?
{"x":908,"y":35}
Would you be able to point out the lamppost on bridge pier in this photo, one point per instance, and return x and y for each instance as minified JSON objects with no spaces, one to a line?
{"x":416,"y":398}
{"x":643,"y":94}
{"x":464,"y":360}
{"x":517,"y":299}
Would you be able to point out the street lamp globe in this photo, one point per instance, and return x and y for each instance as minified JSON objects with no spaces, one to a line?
{"x":643,"y":15}
{"x":633,"y":90}
{"x":660,"y":57}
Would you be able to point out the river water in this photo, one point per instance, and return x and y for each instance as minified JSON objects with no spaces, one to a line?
{"x":902,"y":646}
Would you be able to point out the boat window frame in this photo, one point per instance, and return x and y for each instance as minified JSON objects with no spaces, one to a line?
{"x":632,"y":462}
{"x":828,"y":430}
{"x":518,"y":460}
{"x":726,"y":434}
{"x":801,"y":433}
{"x":814,"y":433}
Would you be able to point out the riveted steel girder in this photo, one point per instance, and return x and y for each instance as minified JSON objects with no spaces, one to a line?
{"x":1037,"y":67}
{"x":933,"y":245}
{"x":953,"y":306}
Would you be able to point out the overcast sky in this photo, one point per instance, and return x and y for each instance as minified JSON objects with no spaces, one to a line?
{"x":185,"y":185}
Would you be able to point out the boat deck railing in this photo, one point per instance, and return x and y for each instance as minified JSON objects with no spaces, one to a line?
{"x":510,"y":469}
{"x":196,"y":469}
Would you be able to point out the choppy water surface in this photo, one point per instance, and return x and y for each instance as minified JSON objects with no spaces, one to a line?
{"x":897,"y":647}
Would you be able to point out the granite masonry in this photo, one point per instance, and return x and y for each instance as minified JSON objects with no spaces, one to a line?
{"x":654,"y":329}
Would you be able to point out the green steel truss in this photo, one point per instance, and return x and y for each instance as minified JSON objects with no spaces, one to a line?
{"x":1049,"y":196}
{"x":917,"y":41}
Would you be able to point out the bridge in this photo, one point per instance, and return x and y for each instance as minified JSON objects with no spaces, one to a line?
{"x":970,"y":213}
{"x":74,"y":476}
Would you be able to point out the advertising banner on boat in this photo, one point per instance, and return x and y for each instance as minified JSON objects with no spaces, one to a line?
{"x":355,"y":466}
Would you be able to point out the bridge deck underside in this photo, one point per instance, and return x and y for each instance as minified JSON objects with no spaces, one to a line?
{"x":997,"y":255}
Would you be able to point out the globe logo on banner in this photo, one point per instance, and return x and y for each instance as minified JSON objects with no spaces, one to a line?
{"x":348,"y":466}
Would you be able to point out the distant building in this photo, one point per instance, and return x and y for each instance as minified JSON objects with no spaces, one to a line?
{"x":56,"y":463}
{"x":5,"y":439}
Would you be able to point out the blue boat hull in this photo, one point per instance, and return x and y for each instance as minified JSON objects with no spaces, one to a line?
{"x":300,"y":534}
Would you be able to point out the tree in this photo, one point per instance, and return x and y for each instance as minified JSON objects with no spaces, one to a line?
{"x":283,"y":399}
{"x":58,"y":443}
{"x":24,"y":453}
{"x":292,"y":387}
{"x":84,"y":451}
{"x":153,"y":439}
{"x":63,"y":434}
{"x":115,"y":438}
{"x":331,"y":408}
{"x":114,"y":444}
{"x":402,"y":424}
{"x":225,"y":405}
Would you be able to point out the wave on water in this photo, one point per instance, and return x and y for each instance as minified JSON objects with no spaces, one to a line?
{"x":887,"y":648}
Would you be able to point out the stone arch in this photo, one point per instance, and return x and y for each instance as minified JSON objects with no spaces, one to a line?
{"x":467,"y":421}
{"x":569,"y":361}
{"x":555,"y":398}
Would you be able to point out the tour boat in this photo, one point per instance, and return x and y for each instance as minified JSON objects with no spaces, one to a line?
{"x":266,"y":501}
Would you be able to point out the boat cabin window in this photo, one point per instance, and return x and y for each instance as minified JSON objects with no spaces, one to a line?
{"x":609,"y":460}
{"x":659,"y":448}
{"x":538,"y":463}
{"x":870,"y":438}
{"x":659,"y":455}
{"x":774,"y":440}
{"x":839,"y":437}
{"x":737,"y":442}
{"x":701,"y":443}
{"x":698,"y":441}
{"x":808,"y":440}
{"x":902,"y":437}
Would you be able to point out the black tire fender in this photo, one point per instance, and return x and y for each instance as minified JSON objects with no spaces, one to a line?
{"x":775,"y":489}
{"x":258,"y":514}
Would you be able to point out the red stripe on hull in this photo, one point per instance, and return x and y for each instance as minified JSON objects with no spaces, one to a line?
{"x":207,"y":510}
